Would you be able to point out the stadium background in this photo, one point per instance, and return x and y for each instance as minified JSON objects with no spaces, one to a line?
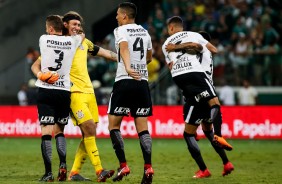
{"x":256,"y":161}
{"x":229,"y":23}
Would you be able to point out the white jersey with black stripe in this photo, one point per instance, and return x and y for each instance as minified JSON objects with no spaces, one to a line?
{"x":57,"y":53}
{"x":183,"y":62}
{"x":139,"y":42}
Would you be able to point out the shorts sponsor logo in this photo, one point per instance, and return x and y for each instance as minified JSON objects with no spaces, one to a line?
{"x":204,"y":94}
{"x":63,"y":120}
{"x":121,"y":110}
{"x":47,"y":119}
{"x":142,"y":111}
{"x":79,"y":114}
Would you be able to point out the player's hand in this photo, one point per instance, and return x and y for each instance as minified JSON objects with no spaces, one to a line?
{"x":170,"y":47}
{"x":134,"y":74}
{"x":49,"y":77}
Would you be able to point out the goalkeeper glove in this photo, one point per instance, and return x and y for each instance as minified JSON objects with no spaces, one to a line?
{"x":49,"y":77}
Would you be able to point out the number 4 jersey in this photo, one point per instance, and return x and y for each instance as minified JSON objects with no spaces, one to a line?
{"x":139,"y":41}
{"x":57,"y":53}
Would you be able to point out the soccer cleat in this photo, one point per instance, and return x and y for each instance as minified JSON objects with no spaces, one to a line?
{"x":104,"y":174}
{"x":202,"y":174}
{"x":47,"y":177}
{"x":74,"y":176}
{"x":220,"y":141}
{"x":121,"y":172}
{"x":62,"y":175}
{"x":148,"y":176}
{"x":227,"y":168}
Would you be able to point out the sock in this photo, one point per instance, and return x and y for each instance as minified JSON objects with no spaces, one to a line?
{"x":80,"y":157}
{"x":46,"y":150}
{"x":61,"y":147}
{"x":220,"y":151}
{"x":194,"y":150}
{"x":93,"y":153}
{"x":146,"y":146}
{"x":118,"y":145}
{"x":216,"y":119}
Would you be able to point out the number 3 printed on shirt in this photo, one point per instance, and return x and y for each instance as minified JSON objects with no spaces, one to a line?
{"x":58,"y":61}
{"x":138,"y":46}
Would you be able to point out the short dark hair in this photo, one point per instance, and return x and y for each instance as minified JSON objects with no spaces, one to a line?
{"x":129,"y":8}
{"x":206,"y":35}
{"x":175,"y":20}
{"x":56,"y":22}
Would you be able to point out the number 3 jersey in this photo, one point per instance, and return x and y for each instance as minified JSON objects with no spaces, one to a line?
{"x":183,"y":62}
{"x":139,"y":41}
{"x":57,"y":53}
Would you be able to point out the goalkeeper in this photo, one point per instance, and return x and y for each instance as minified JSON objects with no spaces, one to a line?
{"x":53,"y":72}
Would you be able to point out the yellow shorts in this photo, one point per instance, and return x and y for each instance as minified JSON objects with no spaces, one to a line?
{"x":83,"y":107}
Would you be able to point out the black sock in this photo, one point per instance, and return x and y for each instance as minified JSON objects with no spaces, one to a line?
{"x":146,"y":146}
{"x":46,"y":150}
{"x":194,"y":150}
{"x":61,"y":147}
{"x":220,"y":151}
{"x":118,"y":144}
{"x":216,"y":119}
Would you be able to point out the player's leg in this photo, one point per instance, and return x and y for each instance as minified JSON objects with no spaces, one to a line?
{"x":46,"y":150}
{"x":62,"y":107}
{"x":62,"y":151}
{"x":227,"y":165}
{"x":146,"y":147}
{"x":46,"y":117}
{"x":192,"y":118}
{"x":216,"y":119}
{"x":118,"y":145}
{"x":85,"y":112}
{"x":117,"y":109}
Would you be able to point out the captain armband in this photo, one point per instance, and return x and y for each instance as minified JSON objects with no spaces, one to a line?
{"x":94,"y":51}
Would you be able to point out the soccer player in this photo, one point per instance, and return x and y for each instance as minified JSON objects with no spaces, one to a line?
{"x":83,"y":101}
{"x":131,"y":91}
{"x":53,"y":103}
{"x":207,"y":64}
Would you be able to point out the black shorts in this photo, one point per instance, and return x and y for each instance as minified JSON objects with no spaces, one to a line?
{"x":130,"y":96}
{"x":196,"y":113}
{"x":53,"y":106}
{"x":195,"y":87}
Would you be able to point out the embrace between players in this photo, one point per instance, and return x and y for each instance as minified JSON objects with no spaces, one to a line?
{"x":65,"y":86}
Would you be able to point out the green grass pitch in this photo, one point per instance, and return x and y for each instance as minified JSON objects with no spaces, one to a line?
{"x":255,"y":161}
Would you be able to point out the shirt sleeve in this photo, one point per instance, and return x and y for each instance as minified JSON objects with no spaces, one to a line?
{"x":77,"y":40}
{"x":120,"y":35}
{"x":166,"y":55}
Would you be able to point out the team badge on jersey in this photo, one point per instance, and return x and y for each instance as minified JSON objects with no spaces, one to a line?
{"x":79,"y":114}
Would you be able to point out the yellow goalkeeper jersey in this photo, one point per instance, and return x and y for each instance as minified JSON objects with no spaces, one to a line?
{"x":79,"y":74}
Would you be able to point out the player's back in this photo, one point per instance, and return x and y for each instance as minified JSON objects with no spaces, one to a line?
{"x":57,"y":53}
{"x":139,"y":42}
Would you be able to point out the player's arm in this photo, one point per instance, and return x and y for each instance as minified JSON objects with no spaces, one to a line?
{"x":211,"y":48}
{"x":184,"y":46}
{"x":149,"y":56}
{"x":49,"y":77}
{"x":107,"y":54}
{"x":125,"y":55}
{"x":36,"y":66}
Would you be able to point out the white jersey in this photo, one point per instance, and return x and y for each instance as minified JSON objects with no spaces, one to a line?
{"x":57,"y":53}
{"x":139,"y":42}
{"x":182,"y":61}
{"x":207,"y":63}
